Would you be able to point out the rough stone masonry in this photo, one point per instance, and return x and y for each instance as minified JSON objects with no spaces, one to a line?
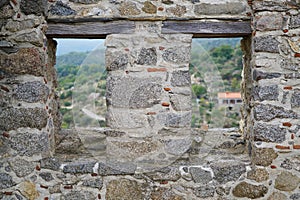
{"x":150,"y":151}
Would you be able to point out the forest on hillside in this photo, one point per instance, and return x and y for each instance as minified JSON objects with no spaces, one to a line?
{"x":216,"y":66}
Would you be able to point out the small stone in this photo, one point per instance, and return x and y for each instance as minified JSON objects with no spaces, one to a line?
{"x":259,"y":75}
{"x":258,"y":174}
{"x":200,"y":175}
{"x":123,"y":189}
{"x":180,"y":102}
{"x":6,"y":181}
{"x":295,"y":21}
{"x":177,"y":146}
{"x":204,"y":191}
{"x":181,"y":78}
{"x":76,"y":195}
{"x":116,"y":61}
{"x":50,"y":163}
{"x":266,"y":93}
{"x":128,"y":9}
{"x":176,"y":120}
{"x":295,"y":100}
{"x":116,"y":168}
{"x":85,"y":1}
{"x":177,"y":11}
{"x":263,"y":156}
{"x":266,"y":44}
{"x":164,"y":193}
{"x":248,"y":190}
{"x":179,"y":55}
{"x":81,"y":168}
{"x":295,"y":196}
{"x":22,"y":167}
{"x":47,"y":176}
{"x":147,"y":56}
{"x":149,"y":8}
{"x":269,"y":22}
{"x":169,"y":173}
{"x":269,"y":133}
{"x":61,"y":9}
{"x":93,"y":183}
{"x":225,"y":171}
{"x":220,"y":7}
{"x":286,"y":181}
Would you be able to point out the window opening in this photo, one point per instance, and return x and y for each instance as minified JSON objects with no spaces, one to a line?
{"x":80,"y":65}
{"x":216,"y":67}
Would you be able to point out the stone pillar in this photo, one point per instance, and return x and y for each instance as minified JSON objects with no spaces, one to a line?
{"x":28,"y":104}
{"x":148,"y":93}
{"x":274,"y":103}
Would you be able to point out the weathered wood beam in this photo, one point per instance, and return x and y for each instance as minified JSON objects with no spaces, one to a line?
{"x":208,"y":29}
{"x":96,"y":29}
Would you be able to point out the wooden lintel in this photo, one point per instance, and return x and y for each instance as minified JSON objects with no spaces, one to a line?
{"x":208,"y":28}
{"x":88,"y":29}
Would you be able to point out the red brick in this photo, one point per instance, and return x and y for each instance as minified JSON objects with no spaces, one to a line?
{"x":164,"y":182}
{"x":8,"y":193}
{"x":288,"y":87}
{"x":166,"y":104}
{"x":38,"y":168}
{"x":296,"y":146}
{"x":285,"y":30}
{"x":68,"y":187}
{"x":273,"y":167}
{"x":43,"y":186}
{"x":156,"y":69}
{"x":151,"y":113}
{"x":94,"y":174}
{"x":161,"y":48}
{"x":297,"y":55}
{"x":160,"y":9}
{"x":4,"y":88}
{"x":99,"y":196}
{"x":167,"y":89}
{"x":46,"y":198}
{"x":281,"y":147}
{"x":292,"y":136}
{"x":5,"y":134}
{"x":288,"y":124}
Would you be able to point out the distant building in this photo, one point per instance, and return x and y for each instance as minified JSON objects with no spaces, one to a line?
{"x":229,"y":98}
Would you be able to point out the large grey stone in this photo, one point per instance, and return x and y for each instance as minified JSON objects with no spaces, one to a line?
{"x":24,"y":61}
{"x":181,"y":102}
{"x":146,"y":96}
{"x":31,"y":92}
{"x":28,"y":143}
{"x":129,"y":8}
{"x":225,"y":171}
{"x":22,"y":167}
{"x":289,"y":65}
{"x":286,"y":181}
{"x":4,"y":3}
{"x":295,"y":100}
{"x":263,"y":93}
{"x":277,"y":196}
{"x":258,"y":75}
{"x":270,"y":6}
{"x":76,"y":195}
{"x":6,"y":181}
{"x":295,"y":196}
{"x":124,"y":189}
{"x":36,"y":7}
{"x":268,"y":112}
{"x":217,"y":8}
{"x":266,"y":44}
{"x":34,"y":37}
{"x":165,"y":193}
{"x":248,"y":190}
{"x":269,"y":133}
{"x":14,"y":118}
{"x":291,"y":163}
{"x":61,"y":9}
{"x":269,"y":22}
{"x":68,"y":141}
{"x":132,"y":92}
{"x":50,"y":163}
{"x":169,"y":173}
{"x":116,"y":61}
{"x":116,"y":168}
{"x":178,"y":55}
{"x":263,"y":156}
{"x":204,"y":191}
{"x":181,"y":78}
{"x":178,"y":146}
{"x":147,"y":56}
{"x":176,"y":120}
{"x":93,"y":183}
{"x":200,"y":175}
{"x":177,"y":10}
{"x":79,"y":168}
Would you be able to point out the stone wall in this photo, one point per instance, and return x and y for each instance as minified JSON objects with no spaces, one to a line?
{"x":149,"y":150}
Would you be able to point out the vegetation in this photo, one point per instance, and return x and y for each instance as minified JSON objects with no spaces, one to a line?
{"x":216,"y":66}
